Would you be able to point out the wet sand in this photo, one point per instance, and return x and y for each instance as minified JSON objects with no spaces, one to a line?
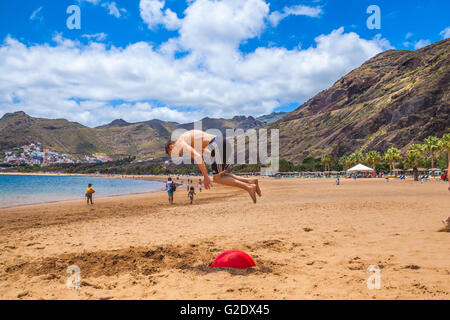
{"x":309,"y":238}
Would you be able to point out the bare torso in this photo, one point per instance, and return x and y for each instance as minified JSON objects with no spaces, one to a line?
{"x":197,"y":139}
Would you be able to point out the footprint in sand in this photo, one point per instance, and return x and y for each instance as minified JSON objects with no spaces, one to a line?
{"x":412,"y":266}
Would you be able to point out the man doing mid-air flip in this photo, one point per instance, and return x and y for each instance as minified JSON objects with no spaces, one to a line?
{"x":197,"y":143}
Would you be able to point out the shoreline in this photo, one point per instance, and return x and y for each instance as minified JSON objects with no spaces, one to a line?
{"x":100,"y":175}
{"x":133,"y":177}
{"x":25,"y":206}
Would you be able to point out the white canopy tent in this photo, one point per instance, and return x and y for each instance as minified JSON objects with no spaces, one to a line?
{"x":360,"y":167}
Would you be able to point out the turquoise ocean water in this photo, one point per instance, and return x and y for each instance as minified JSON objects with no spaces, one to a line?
{"x":18,"y":190}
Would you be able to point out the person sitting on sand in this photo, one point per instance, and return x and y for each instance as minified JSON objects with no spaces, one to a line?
{"x":89,"y":192}
{"x":214,"y":147}
{"x":191,"y":194}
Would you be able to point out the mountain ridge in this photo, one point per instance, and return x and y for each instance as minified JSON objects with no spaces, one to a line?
{"x":118,"y":138}
{"x":394,"y":99}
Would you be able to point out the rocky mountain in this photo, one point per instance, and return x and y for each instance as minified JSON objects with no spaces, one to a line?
{"x":271,"y":118}
{"x":241,"y":122}
{"x":18,"y":128}
{"x":119,"y":138}
{"x":397,"y":98}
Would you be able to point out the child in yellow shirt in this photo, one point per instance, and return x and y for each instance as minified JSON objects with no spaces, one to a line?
{"x":89,"y":192}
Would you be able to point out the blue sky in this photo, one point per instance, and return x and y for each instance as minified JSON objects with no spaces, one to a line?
{"x":183,"y":60}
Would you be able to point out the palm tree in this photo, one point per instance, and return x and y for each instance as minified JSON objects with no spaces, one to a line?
{"x":355,"y":158}
{"x":392,"y":155}
{"x":326,"y":160}
{"x":431,"y":145}
{"x":414,"y":155}
{"x":343,"y":161}
{"x":444,"y":144}
{"x":373,"y":157}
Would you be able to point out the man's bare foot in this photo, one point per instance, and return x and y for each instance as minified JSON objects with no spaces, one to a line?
{"x":258,"y":190}
{"x":252,"y":192}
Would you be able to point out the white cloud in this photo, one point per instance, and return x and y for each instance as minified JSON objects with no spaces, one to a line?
{"x":37,"y":14}
{"x":96,"y":36}
{"x":113,"y":10}
{"x":445,"y":33}
{"x":421,"y":43}
{"x":298,"y":10}
{"x":408,"y":35}
{"x":153,"y":15}
{"x":94,"y":84}
{"x":111,"y":7}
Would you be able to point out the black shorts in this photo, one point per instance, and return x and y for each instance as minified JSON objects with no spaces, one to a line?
{"x":219,"y":156}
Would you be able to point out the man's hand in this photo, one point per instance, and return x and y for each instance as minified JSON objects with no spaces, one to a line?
{"x":207,"y":182}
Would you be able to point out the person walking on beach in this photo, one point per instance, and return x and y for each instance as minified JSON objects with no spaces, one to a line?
{"x":197,"y":144}
{"x":170,"y":187}
{"x":89,"y":192}
{"x":191,"y":194}
{"x":200,"y":185}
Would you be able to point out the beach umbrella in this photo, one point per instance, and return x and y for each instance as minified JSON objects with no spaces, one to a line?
{"x":233,"y":259}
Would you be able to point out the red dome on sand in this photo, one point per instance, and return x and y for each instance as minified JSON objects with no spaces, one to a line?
{"x":233,"y":259}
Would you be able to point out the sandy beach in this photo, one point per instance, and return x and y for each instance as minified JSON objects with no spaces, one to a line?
{"x":309,"y":238}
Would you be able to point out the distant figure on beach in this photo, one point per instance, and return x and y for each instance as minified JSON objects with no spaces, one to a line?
{"x":191,"y":194}
{"x":338,"y":181}
{"x":448,"y":172}
{"x":424,"y":179}
{"x":215,"y":148}
{"x":170,"y":187}
{"x":89,"y":192}
{"x":200,"y":185}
